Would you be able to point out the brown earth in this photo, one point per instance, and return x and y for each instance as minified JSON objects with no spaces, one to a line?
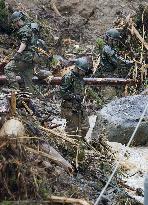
{"x":80,"y":19}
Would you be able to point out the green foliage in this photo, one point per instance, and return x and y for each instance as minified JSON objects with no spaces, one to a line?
{"x":146,"y":83}
{"x":3,"y":11}
{"x":99,"y":44}
{"x":94,"y":95}
{"x":5,"y":203}
{"x":54,"y":62}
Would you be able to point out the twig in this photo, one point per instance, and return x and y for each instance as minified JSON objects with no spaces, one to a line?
{"x":35,"y":181}
{"x":53,"y":6}
{"x":126,"y":202}
{"x":72,"y":141}
{"x":137,"y":34}
{"x":143,"y":38}
{"x":77,"y":164}
{"x":13,"y":103}
{"x":7,"y":188}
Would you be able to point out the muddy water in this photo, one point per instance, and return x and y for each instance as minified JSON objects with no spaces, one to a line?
{"x":92,"y":120}
{"x":134,"y":165}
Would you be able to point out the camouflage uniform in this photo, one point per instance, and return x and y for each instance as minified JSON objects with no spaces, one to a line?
{"x":112,"y":65}
{"x":72,"y":109}
{"x":24,"y":65}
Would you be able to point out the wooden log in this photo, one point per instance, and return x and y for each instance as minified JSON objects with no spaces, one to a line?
{"x":64,"y":200}
{"x":54,"y":200}
{"x":88,"y":81}
{"x":55,"y":157}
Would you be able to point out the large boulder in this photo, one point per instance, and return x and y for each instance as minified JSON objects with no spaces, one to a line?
{"x":118,"y":119}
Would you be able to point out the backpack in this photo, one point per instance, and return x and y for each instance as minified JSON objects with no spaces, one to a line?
{"x":37,"y":42}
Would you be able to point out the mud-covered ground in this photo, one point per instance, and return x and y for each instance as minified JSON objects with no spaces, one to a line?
{"x":82,"y":20}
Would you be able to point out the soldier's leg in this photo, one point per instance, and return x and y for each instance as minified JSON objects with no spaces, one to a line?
{"x":78,"y":123}
{"x":26,"y":73}
{"x":10,"y":71}
{"x":71,"y":118}
{"x":84,"y":123}
{"x":108,"y":93}
{"x":71,"y":121}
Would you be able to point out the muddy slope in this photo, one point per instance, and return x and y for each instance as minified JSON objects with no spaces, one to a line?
{"x":87,"y":18}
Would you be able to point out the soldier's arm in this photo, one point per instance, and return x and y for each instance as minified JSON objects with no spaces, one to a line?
{"x":24,"y":35}
{"x":116,"y":59}
{"x":21,"y":48}
{"x":66,"y":87}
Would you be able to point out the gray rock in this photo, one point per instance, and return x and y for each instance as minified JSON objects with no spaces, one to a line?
{"x":4,"y":108}
{"x":118,"y":119}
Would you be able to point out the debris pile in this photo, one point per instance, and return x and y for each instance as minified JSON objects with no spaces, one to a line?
{"x":38,"y":160}
{"x":134,"y":42}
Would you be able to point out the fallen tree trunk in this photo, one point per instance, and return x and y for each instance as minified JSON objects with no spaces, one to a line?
{"x":88,"y":81}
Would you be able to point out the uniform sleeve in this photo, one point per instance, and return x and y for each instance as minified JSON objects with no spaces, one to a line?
{"x":115,"y":59}
{"x":25,"y":35}
{"x":66,"y":87}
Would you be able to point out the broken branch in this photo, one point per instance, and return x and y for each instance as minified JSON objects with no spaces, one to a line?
{"x":55,"y":157}
{"x":58,"y":199}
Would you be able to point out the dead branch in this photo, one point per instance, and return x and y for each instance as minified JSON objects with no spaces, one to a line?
{"x":64,"y":200}
{"x":133,"y":30}
{"x":53,"y":6}
{"x":13,"y":103}
{"x":64,"y":137}
{"x":55,"y":157}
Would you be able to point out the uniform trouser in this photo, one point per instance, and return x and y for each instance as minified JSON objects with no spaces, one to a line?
{"x":77,"y":122}
{"x":24,"y":69}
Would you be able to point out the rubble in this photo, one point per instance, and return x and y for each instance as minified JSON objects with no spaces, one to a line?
{"x":38,"y":160}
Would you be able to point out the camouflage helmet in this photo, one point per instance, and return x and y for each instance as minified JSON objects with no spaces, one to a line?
{"x":113,"y":34}
{"x":82,"y":64}
{"x":17,"y":15}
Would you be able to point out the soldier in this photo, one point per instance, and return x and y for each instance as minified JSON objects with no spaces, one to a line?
{"x":112,"y":64}
{"x":72,"y":92}
{"x":22,"y":63}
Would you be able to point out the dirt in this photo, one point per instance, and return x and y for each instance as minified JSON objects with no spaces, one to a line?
{"x":83,"y":20}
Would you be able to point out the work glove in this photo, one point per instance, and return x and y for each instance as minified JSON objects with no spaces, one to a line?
{"x":50,"y":58}
{"x":78,"y":98}
{"x":17,"y":56}
{"x":129,"y":63}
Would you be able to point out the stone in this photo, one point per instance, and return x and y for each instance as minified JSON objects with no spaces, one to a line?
{"x":118,"y":119}
{"x":12,"y":128}
{"x":4,"y":108}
